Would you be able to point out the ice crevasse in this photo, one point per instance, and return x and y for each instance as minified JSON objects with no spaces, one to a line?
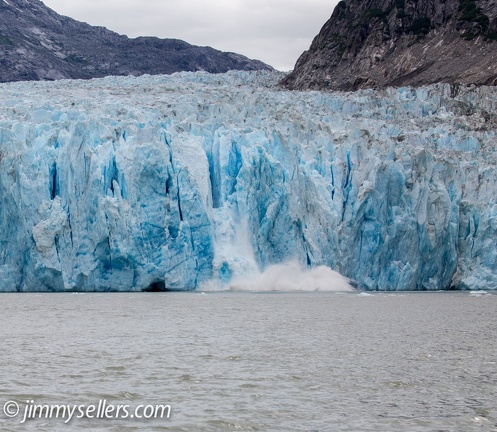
{"x":168,"y":182}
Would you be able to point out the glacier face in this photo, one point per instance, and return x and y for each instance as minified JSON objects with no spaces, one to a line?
{"x":171,"y":181}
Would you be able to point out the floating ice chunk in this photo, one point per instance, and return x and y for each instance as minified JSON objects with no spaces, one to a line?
{"x":478,"y":293}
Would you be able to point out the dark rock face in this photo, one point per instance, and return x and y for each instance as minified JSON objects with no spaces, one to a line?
{"x":38,"y":44}
{"x":379,"y":43}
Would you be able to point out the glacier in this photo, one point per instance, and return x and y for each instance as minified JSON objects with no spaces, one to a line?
{"x":172,"y":182}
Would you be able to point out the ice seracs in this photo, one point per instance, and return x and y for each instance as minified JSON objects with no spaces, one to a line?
{"x":174,"y":181}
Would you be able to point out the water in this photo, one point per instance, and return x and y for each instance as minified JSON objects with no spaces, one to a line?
{"x":255,"y":362}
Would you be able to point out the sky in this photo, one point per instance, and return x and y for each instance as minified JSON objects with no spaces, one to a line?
{"x":274,"y":31}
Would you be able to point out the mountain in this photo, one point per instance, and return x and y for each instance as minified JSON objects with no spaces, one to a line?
{"x":172,"y":181}
{"x":38,"y":44}
{"x":378,"y":43}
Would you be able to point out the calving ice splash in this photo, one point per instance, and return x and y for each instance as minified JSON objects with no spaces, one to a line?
{"x":169,"y":182}
{"x":285,"y":277}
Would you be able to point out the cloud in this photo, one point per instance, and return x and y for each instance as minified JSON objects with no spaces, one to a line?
{"x":274,"y":31}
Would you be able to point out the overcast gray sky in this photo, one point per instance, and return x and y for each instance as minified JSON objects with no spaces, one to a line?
{"x":274,"y":31}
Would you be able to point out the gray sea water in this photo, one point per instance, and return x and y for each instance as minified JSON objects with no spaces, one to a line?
{"x":254,"y":362}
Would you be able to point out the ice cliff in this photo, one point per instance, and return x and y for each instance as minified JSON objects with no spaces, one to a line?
{"x":168,"y":182}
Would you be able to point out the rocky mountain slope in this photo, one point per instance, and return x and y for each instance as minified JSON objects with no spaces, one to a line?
{"x":378,"y":43}
{"x":38,"y":44}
